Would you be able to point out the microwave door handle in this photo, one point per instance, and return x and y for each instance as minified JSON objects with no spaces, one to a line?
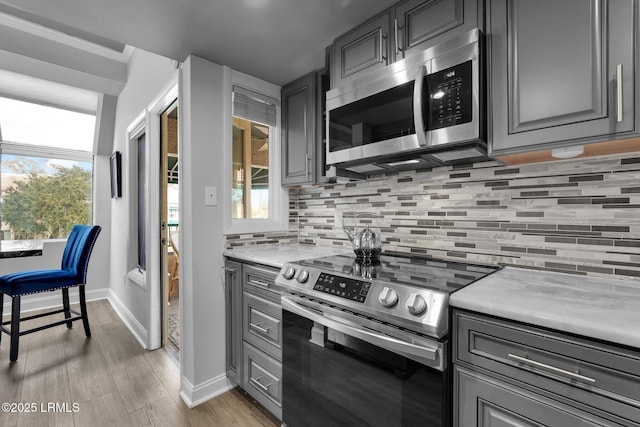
{"x":418,"y":121}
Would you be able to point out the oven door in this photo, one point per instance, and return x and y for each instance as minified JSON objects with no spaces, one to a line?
{"x":336,"y":373}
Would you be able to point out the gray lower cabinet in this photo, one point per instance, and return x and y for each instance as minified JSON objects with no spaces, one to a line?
{"x":299,"y":130}
{"x":254,"y":332}
{"x":510,"y":374}
{"x":491,"y":402}
{"x":407,"y":28}
{"x":561,"y":73}
{"x":233,"y":318}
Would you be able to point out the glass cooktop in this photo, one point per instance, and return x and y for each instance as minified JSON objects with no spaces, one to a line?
{"x":422,"y":272}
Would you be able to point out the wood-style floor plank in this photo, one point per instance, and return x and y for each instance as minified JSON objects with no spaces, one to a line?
{"x":131,"y":373}
{"x":110,"y":377}
{"x":105,"y":411}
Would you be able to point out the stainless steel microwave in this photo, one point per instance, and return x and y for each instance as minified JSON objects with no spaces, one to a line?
{"x":411,"y":110}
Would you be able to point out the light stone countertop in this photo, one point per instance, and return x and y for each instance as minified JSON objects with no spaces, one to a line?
{"x":604,"y":309}
{"x":277,"y":255}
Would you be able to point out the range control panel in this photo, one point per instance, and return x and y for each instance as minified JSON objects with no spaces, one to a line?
{"x":344,"y":287}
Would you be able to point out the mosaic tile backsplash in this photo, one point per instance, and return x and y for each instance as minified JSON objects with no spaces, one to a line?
{"x":578,"y":216}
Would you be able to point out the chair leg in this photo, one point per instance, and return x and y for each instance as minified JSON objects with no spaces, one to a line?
{"x":83,"y":311}
{"x":65,"y":304}
{"x":15,"y":328}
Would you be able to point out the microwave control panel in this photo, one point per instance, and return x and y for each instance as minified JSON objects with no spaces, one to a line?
{"x":450,"y":96}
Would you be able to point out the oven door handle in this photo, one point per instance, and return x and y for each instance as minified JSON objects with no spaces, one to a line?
{"x":424,"y":354}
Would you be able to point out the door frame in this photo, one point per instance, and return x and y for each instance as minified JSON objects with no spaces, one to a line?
{"x":155,"y":246}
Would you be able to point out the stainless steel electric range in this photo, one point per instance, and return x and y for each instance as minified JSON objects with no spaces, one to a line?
{"x":365,"y":341}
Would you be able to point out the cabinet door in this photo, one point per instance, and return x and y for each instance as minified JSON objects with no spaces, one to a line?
{"x":420,"y":24}
{"x":233,"y":319}
{"x":557,"y":72}
{"x":361,"y":50}
{"x":480,"y":400}
{"x":298,"y":130}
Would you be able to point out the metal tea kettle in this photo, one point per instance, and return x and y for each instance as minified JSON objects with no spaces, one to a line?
{"x":366,"y":243}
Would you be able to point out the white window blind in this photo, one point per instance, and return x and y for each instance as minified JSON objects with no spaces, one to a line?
{"x":253,"y":106}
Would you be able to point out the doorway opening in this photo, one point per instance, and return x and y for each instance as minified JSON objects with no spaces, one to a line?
{"x":170,"y":227}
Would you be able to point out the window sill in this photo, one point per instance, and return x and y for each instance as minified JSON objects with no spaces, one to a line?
{"x":257,"y":226}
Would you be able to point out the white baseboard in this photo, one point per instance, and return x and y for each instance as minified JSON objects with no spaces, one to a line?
{"x":136,"y":328}
{"x":195,"y":395}
{"x":47,"y":300}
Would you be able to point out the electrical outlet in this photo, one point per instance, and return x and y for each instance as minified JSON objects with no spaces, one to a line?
{"x":210,"y":196}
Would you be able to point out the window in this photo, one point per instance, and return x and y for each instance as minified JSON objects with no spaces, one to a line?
{"x":46,"y":168}
{"x":254,"y":121}
{"x":142,"y":193}
{"x":255,"y":202}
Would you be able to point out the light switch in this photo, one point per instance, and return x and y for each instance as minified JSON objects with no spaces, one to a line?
{"x":210,"y":196}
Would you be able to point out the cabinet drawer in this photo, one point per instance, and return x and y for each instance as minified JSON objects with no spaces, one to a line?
{"x":262,"y":324}
{"x":262,"y":379}
{"x":490,"y":402}
{"x":260,"y":280}
{"x":602,"y":375}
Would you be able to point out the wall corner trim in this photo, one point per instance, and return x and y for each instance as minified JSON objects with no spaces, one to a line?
{"x":195,"y":395}
{"x":136,"y":328}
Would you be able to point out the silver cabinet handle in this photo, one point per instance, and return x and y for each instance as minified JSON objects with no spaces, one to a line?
{"x":417,"y":105}
{"x":395,"y":29}
{"x":383,"y":51}
{"x":258,"y":283}
{"x":306,"y":165}
{"x":551,"y":368}
{"x":259,"y":328}
{"x":230,"y":270}
{"x":619,"y":106}
{"x":256,"y":382}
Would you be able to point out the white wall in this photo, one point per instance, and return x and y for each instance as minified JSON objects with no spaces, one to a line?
{"x":204,"y":87}
{"x":148,"y":74}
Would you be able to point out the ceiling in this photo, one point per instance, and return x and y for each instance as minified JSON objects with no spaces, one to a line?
{"x":274,"y":40}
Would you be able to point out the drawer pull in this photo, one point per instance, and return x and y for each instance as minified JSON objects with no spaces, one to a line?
{"x":551,"y":368}
{"x":259,"y":328}
{"x":258,"y":283}
{"x":257,"y":383}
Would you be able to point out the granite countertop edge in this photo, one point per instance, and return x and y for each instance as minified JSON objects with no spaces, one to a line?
{"x":597,"y":308}
{"x":276,"y":255}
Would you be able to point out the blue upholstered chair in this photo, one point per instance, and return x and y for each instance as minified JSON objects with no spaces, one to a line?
{"x":73,"y":272}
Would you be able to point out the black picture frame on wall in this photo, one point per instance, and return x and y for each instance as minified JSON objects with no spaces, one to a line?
{"x":116,"y":175}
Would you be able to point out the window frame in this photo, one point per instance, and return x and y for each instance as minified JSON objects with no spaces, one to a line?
{"x":31,"y":150}
{"x":134,"y":131}
{"x":278,"y":196}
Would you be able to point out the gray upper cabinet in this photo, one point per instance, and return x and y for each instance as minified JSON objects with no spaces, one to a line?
{"x":299,"y":130}
{"x":363,"y":49}
{"x":419,"y":24}
{"x":561,"y":72}
{"x":401,"y":31}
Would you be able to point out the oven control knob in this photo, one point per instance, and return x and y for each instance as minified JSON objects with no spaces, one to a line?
{"x":416,"y":304}
{"x":289,"y":272}
{"x":303,"y":276}
{"x":388,"y":297}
